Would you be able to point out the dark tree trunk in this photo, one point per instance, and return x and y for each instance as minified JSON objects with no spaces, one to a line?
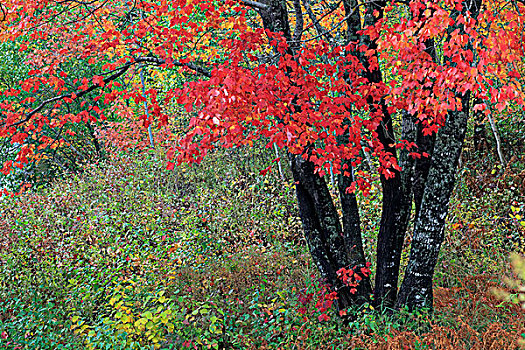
{"x":331,"y":248}
{"x":396,"y":203}
{"x":275,"y":18}
{"x":352,"y":225}
{"x":417,"y":288}
{"x":395,"y":215}
{"x":425,"y":144}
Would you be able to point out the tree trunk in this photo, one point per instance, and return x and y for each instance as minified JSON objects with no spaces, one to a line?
{"x":396,"y":203}
{"x":425,"y":144}
{"x":330,"y":247}
{"x":416,"y":289}
{"x":395,"y":215}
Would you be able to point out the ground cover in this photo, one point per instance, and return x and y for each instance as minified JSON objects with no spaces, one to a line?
{"x":133,"y":256}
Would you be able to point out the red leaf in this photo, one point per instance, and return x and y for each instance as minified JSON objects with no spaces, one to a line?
{"x":98,"y":80}
{"x":265,"y":171}
{"x":170,"y":153}
{"x":324,"y":317}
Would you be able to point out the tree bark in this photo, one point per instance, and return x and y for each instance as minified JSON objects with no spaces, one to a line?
{"x":395,"y":215}
{"x":330,"y":247}
{"x":396,"y":203}
{"x":425,"y":144}
{"x":416,"y":289}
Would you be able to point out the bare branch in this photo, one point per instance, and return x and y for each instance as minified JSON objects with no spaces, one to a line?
{"x":255,"y":4}
{"x":320,"y":30}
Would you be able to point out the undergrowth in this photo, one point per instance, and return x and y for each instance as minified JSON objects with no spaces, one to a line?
{"x":133,"y":256}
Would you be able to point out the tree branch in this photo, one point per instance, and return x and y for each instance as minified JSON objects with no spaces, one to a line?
{"x":299,"y":21}
{"x":255,"y":4}
{"x":120,"y":71}
{"x":320,"y":30}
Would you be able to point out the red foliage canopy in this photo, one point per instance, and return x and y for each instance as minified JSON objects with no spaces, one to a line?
{"x":249,"y":83}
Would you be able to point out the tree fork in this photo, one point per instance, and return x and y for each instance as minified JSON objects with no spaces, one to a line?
{"x":321,"y":224}
{"x":329,"y":245}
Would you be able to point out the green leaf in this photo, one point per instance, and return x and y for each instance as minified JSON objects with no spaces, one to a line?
{"x":140,"y":322}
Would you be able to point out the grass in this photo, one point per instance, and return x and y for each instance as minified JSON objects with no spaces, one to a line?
{"x":132,"y":256}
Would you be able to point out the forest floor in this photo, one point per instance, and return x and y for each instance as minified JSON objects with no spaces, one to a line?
{"x":133,"y":256}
